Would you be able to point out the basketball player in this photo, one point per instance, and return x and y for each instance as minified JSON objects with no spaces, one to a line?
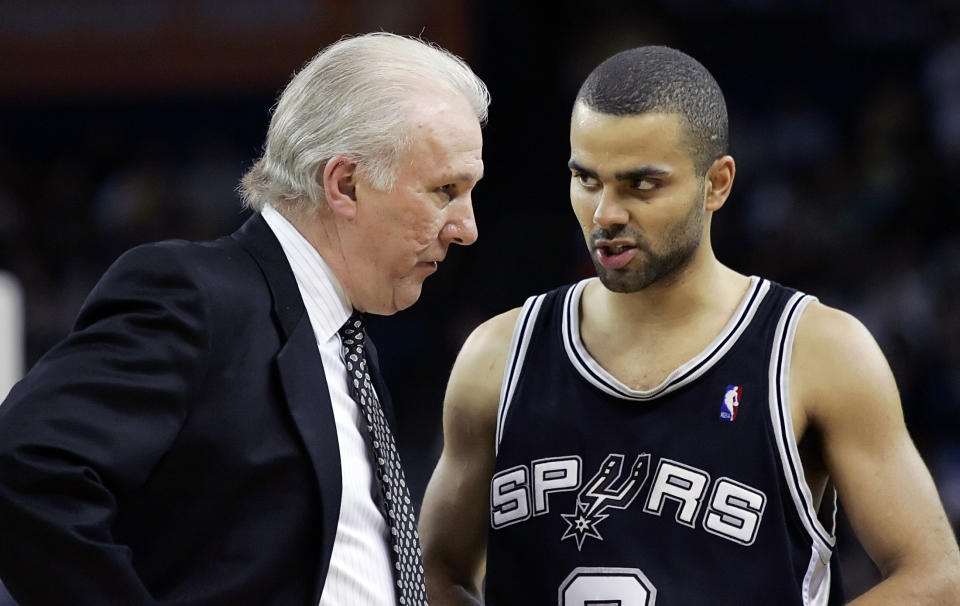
{"x":672,"y":432}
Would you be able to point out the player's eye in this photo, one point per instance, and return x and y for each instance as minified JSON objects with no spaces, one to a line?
{"x":584,"y":179}
{"x":644,"y":184}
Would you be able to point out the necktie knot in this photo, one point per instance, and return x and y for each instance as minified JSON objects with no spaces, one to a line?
{"x":353,"y":328}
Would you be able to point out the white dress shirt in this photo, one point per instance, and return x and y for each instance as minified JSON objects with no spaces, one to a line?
{"x":360,"y":570}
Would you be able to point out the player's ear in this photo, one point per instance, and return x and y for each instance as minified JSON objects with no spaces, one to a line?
{"x":719,"y":181}
{"x":339,"y":177}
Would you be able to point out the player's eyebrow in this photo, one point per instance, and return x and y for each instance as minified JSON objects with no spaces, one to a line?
{"x":634,"y":174}
{"x":574,"y":165}
{"x":642,"y":172}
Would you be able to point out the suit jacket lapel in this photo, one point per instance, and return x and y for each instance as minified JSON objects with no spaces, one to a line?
{"x":302,"y":376}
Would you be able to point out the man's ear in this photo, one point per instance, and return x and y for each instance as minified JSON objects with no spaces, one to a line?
{"x":340,"y":185}
{"x":720,"y":181}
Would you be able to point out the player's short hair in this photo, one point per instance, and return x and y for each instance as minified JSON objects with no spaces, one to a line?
{"x":662,"y":79}
{"x":353,"y":98}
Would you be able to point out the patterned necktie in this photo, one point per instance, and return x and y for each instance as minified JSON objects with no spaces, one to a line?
{"x":407,"y":557}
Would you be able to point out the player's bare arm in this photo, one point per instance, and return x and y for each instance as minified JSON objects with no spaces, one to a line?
{"x":454,"y":518}
{"x":848,"y":399}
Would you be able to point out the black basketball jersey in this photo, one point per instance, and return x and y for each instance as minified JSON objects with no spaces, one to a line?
{"x":687,"y":494}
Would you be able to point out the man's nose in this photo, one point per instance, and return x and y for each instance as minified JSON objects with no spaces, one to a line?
{"x":610,"y":211}
{"x":461,"y":226}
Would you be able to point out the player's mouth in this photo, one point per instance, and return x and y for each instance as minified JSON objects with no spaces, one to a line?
{"x":615,"y":255}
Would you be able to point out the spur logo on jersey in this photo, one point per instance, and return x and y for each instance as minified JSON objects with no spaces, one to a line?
{"x":600,"y":494}
{"x":730,"y":509}
{"x":731,"y":403}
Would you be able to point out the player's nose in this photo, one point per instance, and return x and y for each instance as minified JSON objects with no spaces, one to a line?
{"x":610,"y":211}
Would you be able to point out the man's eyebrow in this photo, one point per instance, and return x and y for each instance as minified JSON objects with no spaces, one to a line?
{"x":634,"y":174}
{"x":641,"y":172}
{"x":461,"y":177}
{"x":573,"y":165}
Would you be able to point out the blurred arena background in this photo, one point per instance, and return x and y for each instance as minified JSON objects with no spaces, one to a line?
{"x":129,"y":121}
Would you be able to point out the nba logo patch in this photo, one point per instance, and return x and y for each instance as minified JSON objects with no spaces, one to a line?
{"x":731,"y":403}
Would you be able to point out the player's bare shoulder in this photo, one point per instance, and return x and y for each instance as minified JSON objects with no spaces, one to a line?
{"x":473,"y":392}
{"x":837,"y":366}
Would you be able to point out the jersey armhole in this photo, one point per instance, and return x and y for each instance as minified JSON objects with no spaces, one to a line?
{"x":522,"y":332}
{"x":780,"y":415}
{"x":817,"y":580}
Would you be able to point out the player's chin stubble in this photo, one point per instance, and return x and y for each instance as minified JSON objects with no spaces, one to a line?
{"x":650,"y":266}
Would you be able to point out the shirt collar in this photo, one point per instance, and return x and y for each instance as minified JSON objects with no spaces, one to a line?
{"x":326,"y":301}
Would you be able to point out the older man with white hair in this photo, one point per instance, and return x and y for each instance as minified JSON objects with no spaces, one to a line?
{"x":215,"y":430}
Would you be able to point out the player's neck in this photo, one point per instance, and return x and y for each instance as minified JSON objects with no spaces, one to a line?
{"x":704,"y":288}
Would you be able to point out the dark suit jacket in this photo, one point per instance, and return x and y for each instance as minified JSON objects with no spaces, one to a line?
{"x":179,"y":446}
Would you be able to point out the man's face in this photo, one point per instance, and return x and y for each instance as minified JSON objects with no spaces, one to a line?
{"x":399,"y":236}
{"x":634,"y":190}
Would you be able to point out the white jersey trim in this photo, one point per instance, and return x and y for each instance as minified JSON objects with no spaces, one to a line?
{"x":598,"y":376}
{"x":522,"y":332}
{"x":780,"y":416}
{"x":816,"y":582}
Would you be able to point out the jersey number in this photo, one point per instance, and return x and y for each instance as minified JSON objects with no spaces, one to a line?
{"x":607,"y":587}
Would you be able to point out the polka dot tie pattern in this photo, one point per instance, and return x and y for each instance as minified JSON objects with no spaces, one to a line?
{"x":407,"y":556}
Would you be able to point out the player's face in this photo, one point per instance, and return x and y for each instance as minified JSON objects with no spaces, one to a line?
{"x":635,"y":192}
{"x":402,"y":234}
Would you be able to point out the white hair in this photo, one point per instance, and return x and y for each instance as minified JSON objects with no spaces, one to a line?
{"x":353,"y":99}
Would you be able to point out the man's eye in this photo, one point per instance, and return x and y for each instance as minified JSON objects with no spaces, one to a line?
{"x":449,"y":190}
{"x":644,"y":184}
{"x":584,"y":179}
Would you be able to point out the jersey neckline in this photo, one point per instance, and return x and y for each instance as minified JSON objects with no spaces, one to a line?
{"x":594,"y":373}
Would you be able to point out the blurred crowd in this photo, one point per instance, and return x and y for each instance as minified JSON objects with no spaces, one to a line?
{"x":845,"y":127}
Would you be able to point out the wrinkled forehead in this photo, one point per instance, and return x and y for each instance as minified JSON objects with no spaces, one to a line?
{"x":445,"y":136}
{"x":446,"y":110}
